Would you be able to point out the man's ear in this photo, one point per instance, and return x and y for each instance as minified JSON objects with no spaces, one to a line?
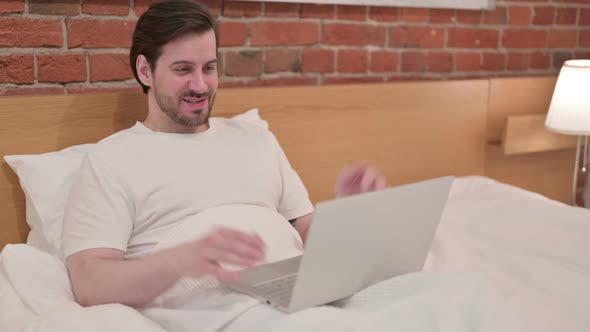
{"x":144,"y":71}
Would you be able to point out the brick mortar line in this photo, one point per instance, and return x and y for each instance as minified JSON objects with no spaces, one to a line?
{"x":388,"y":37}
{"x":247,"y":79}
{"x":336,"y":59}
{"x":299,"y":54}
{"x":132,"y":82}
{"x":125,"y":51}
{"x":33,"y":52}
{"x":58,"y":51}
{"x":285,"y":74}
{"x":132,"y":8}
{"x":320,"y":79}
{"x":322,"y":33}
{"x":221,"y":7}
{"x":357,"y":75}
{"x":492,"y":27}
{"x":105,"y":17}
{"x":262,"y":61}
{"x":223,"y":61}
{"x":223,"y":50}
{"x":100,"y":50}
{"x":486,"y":50}
{"x":318,"y":76}
{"x":482,"y":26}
{"x":450,"y":73}
{"x":33,"y":85}
{"x":35,"y":70}
{"x":399,"y":63}
{"x":67,"y":16}
{"x":132,"y":14}
{"x":463,"y":50}
{"x":100,"y":84}
{"x":454,"y":61}
{"x":369,"y":58}
{"x":250,"y":79}
{"x":443,"y":74}
{"x":64,"y":32}
{"x":87,"y":60}
{"x":373,"y":22}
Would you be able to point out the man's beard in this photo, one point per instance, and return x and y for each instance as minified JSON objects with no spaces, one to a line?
{"x":171,"y":107}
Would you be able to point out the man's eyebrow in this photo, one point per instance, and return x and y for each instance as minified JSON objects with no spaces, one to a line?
{"x":187,"y":62}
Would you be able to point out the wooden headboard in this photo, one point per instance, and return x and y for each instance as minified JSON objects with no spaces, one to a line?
{"x":411,"y":131}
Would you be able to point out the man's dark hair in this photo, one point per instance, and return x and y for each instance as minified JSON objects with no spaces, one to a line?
{"x":164,"y":22}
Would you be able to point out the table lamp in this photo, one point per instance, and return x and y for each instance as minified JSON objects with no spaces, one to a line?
{"x":569,"y":111}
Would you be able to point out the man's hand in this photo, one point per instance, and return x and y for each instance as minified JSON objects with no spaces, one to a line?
{"x":359,"y":179}
{"x":203,"y":256}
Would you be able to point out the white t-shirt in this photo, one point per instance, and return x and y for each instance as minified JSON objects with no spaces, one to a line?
{"x":135,"y":187}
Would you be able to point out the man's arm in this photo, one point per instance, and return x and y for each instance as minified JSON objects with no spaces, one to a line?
{"x":302,"y":225}
{"x":100,"y":276}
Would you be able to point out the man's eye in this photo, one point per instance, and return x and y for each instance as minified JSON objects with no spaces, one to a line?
{"x":181,"y":70}
{"x":210,"y":68}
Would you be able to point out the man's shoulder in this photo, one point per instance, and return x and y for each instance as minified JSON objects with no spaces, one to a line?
{"x":116,"y":144}
{"x":132,"y":131}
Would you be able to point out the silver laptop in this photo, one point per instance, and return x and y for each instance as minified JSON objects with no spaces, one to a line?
{"x":353,"y":242}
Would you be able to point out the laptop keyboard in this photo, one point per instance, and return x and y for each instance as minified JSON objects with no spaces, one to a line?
{"x":278,"y":290}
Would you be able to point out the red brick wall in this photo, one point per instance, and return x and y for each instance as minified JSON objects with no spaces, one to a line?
{"x":73,"y":46}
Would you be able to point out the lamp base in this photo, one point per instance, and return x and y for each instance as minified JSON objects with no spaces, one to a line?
{"x":581,"y":170}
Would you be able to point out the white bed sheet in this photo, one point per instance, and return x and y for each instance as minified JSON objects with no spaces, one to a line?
{"x":532,"y":254}
{"x":13,"y":313}
{"x":535,"y":250}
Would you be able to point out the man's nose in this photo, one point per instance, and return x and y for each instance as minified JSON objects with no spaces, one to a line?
{"x":197,"y":83}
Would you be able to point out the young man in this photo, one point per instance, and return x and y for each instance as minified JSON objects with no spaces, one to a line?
{"x":174,"y":168}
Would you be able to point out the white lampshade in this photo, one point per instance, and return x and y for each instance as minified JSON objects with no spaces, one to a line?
{"x":569,"y":112}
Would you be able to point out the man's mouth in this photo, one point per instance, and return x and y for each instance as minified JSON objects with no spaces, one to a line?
{"x":193,"y":100}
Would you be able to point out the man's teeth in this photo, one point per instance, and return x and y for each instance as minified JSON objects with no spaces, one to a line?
{"x":193,"y":101}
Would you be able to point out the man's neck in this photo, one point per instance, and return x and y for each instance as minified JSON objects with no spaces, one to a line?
{"x":165,"y":125}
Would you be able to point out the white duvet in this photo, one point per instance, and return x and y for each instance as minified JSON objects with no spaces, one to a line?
{"x":503,"y":259}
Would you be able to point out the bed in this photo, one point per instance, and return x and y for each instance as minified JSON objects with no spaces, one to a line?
{"x":507,"y":220}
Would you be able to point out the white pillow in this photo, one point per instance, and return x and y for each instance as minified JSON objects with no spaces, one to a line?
{"x":46,"y":180}
{"x":252,"y":116}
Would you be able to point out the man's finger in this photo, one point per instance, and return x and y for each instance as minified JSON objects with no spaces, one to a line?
{"x":226,"y":237}
{"x":240,"y":235}
{"x":243,"y":249}
{"x":380,"y":183}
{"x":368,"y":179}
{"x":229,"y":257}
{"x":236,"y":242}
{"x":354,"y":173}
{"x":216,"y":270}
{"x":219,"y":243}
